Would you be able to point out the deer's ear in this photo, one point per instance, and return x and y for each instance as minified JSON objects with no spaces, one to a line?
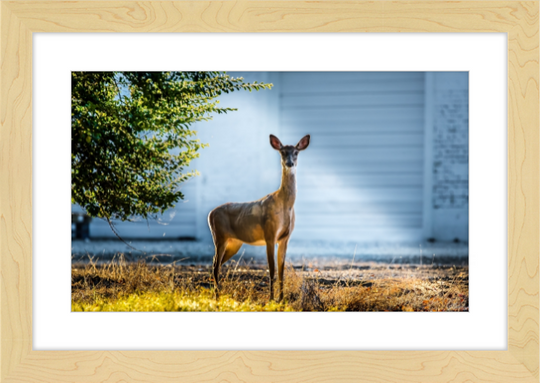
{"x":303,"y":143}
{"x":275,"y":142}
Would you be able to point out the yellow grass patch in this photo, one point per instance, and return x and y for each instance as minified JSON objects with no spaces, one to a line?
{"x":123,"y":286}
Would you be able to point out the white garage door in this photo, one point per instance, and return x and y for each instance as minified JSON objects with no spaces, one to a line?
{"x":362,"y":176}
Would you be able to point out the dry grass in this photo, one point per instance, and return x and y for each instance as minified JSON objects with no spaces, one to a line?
{"x":123,"y":286}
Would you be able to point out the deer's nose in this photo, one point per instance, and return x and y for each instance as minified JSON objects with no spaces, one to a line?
{"x":289,"y":164}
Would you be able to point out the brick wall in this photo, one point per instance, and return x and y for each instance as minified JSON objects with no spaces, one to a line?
{"x":450,"y":149}
{"x":450,"y":182}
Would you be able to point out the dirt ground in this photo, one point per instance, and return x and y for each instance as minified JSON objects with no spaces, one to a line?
{"x":311,"y":286}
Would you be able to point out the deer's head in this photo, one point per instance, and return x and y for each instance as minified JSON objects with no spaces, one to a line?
{"x":289,"y":153}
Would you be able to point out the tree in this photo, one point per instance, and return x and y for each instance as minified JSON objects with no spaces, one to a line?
{"x":131,"y":136}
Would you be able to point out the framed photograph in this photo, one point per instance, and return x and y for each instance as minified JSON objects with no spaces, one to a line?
{"x":378,"y":206}
{"x":420,"y":135}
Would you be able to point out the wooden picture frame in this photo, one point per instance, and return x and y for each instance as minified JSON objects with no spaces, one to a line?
{"x":519,"y":20}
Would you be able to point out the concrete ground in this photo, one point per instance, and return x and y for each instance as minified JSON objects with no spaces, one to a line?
{"x":299,"y":252}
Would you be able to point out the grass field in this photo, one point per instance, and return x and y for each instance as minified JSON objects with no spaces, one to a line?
{"x":337,"y":286}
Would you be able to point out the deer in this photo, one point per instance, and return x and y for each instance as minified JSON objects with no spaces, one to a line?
{"x":264,"y":222}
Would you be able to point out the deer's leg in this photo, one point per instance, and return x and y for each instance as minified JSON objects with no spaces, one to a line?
{"x":218,"y":256}
{"x":270,"y":249}
{"x":282,"y":252}
{"x":233,"y":246}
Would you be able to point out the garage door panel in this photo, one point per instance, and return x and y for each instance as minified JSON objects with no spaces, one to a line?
{"x":329,"y":181}
{"x":352,"y":99}
{"x":338,"y":87}
{"x":326,"y":155}
{"x":359,"y":114}
{"x":371,"y":140}
{"x":361,"y":221}
{"x":366,"y":235}
{"x":333,"y":207}
{"x":348,"y":76}
{"x":360,"y":195}
{"x":326,"y":129}
{"x":351,"y":81}
{"x":362,"y":176}
{"x":358,"y":168}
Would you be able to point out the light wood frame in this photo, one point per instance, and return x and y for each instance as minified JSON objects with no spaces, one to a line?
{"x":19,"y":363}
